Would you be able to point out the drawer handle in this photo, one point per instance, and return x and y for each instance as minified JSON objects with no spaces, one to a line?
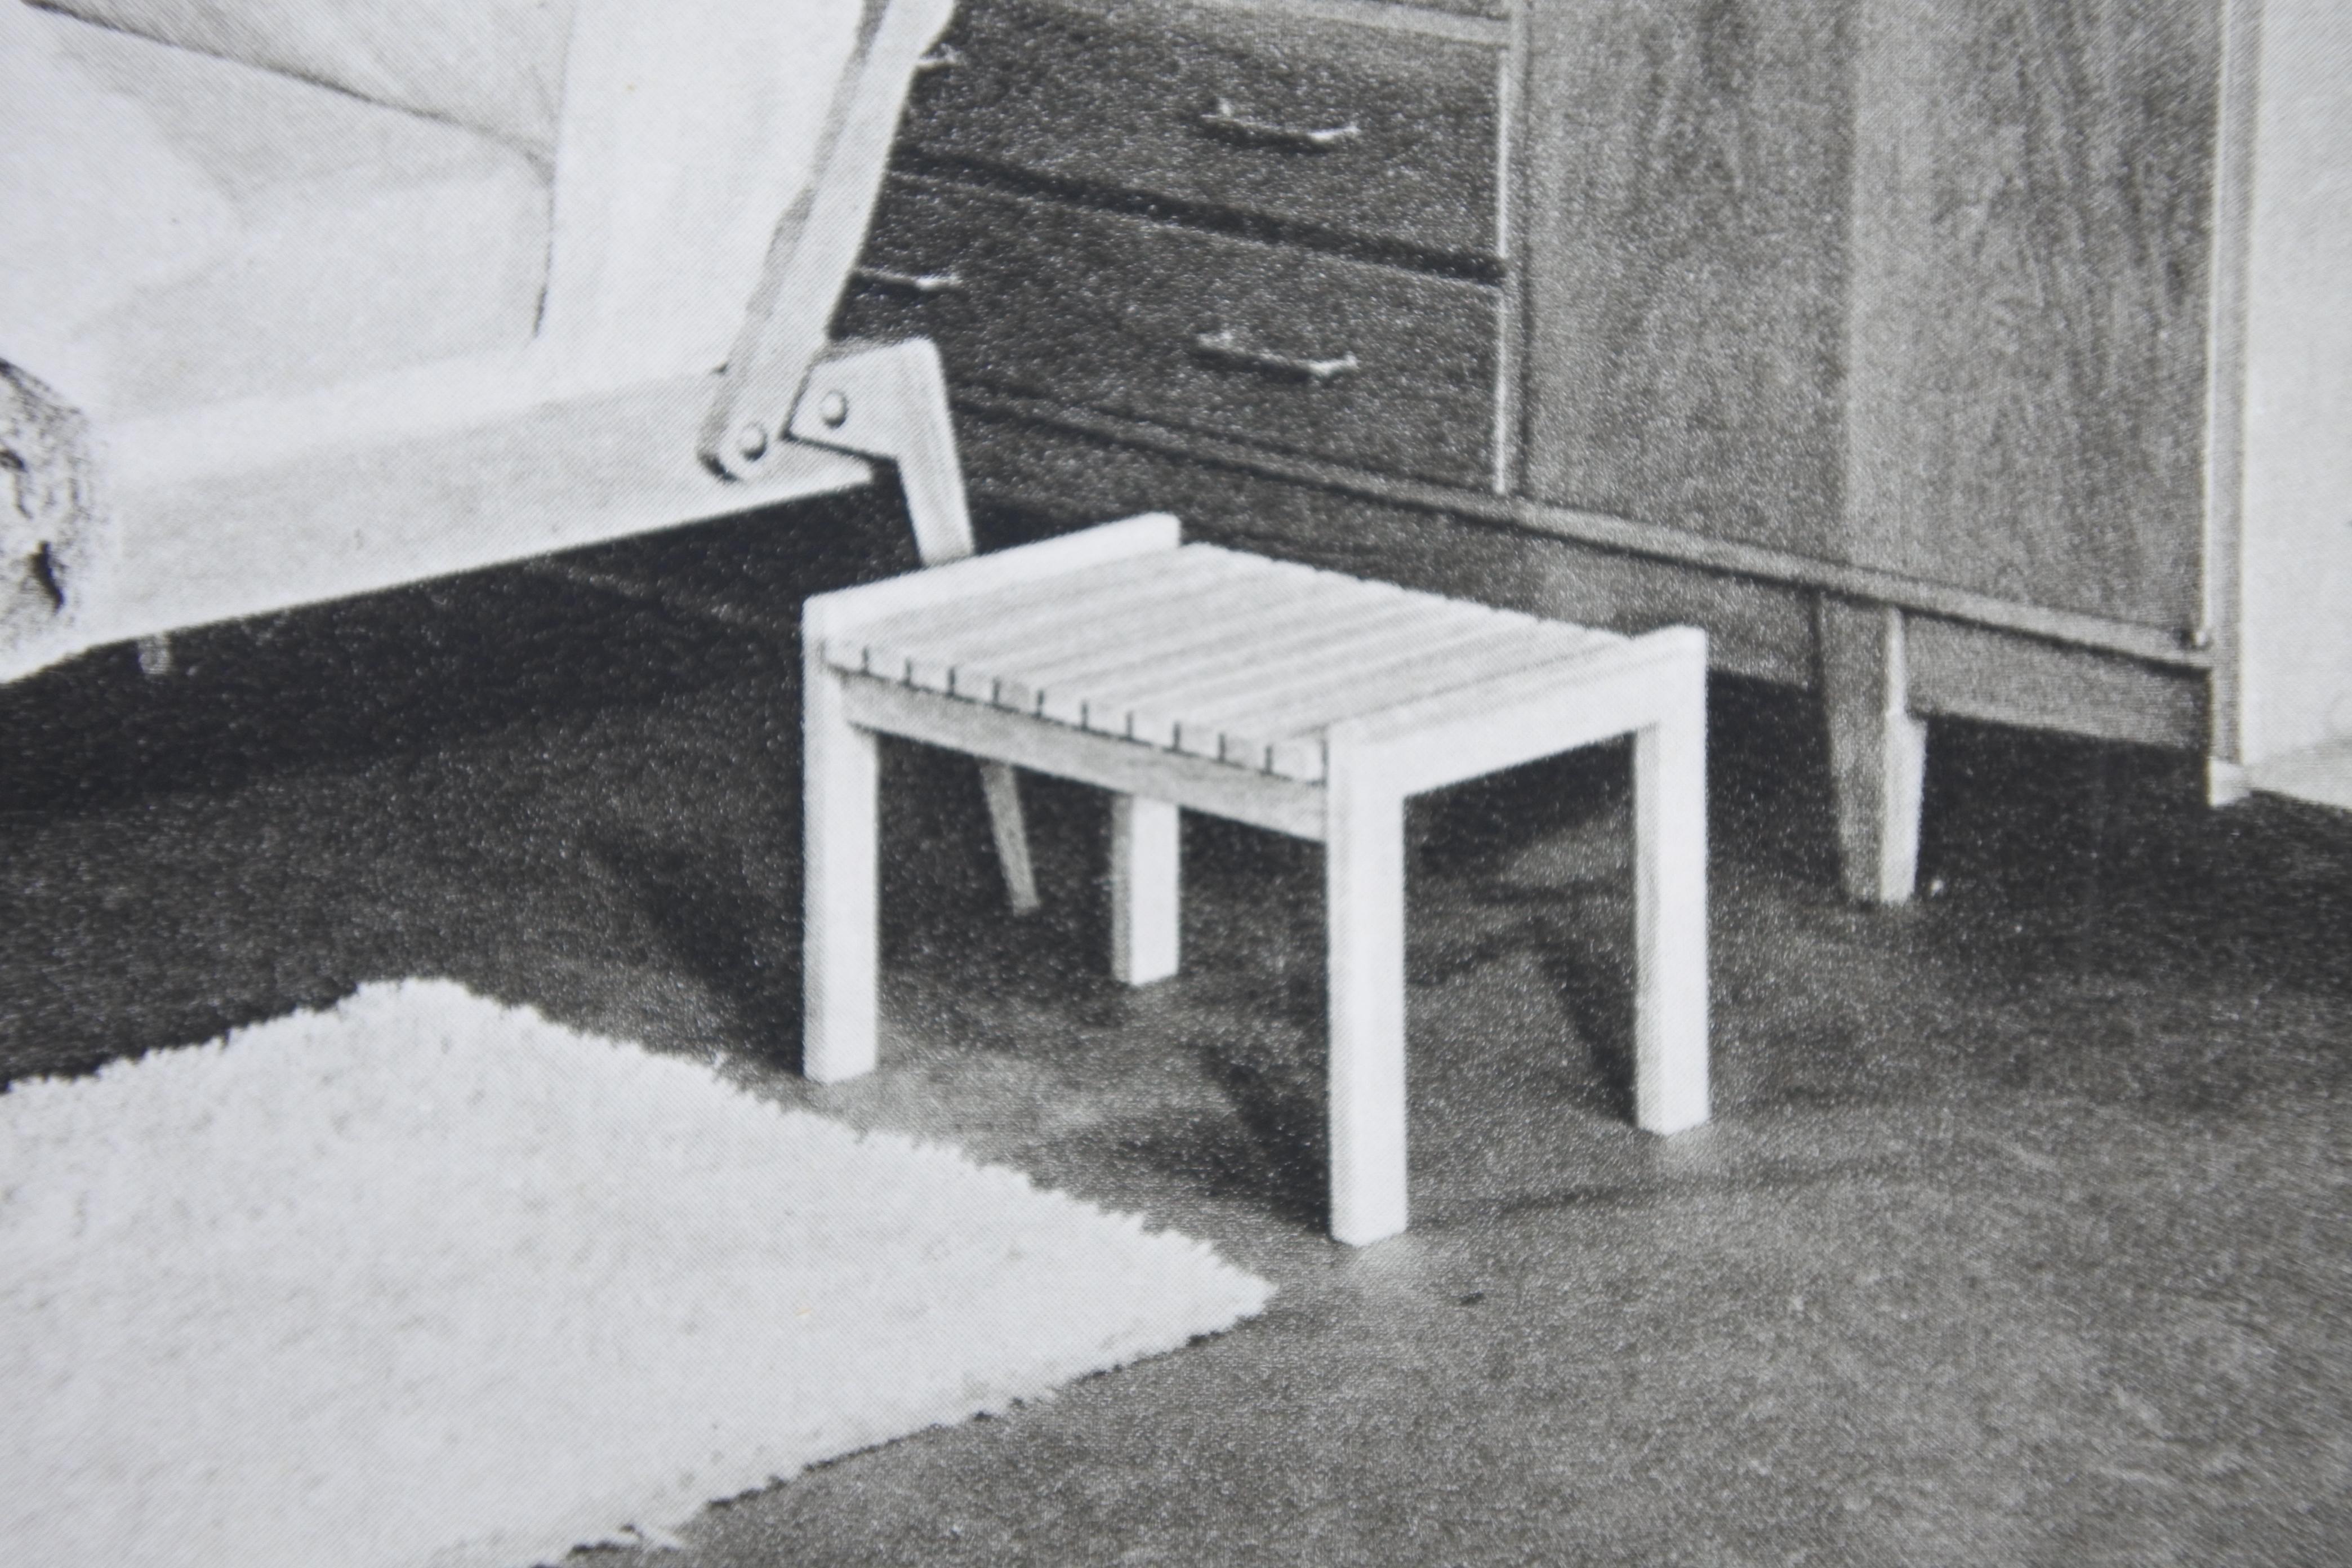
{"x":944,"y":57}
{"x":923,"y":283}
{"x":1226,"y":120}
{"x":1226,"y":347}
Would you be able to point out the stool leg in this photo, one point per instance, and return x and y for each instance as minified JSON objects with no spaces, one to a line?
{"x":840,"y":848}
{"x":1670,"y":1004}
{"x":1363,"y":857}
{"x":1145,"y":882}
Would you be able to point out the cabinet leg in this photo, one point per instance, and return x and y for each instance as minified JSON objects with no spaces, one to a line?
{"x":1145,"y":889}
{"x":2226,"y":783}
{"x":1878,"y":749}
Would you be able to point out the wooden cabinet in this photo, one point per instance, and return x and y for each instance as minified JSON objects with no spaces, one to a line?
{"x":1988,"y":358}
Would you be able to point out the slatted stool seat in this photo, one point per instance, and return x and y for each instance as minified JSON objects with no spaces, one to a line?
{"x":1303,"y":701}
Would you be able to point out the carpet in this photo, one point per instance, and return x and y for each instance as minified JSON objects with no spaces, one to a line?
{"x":422,"y":1279}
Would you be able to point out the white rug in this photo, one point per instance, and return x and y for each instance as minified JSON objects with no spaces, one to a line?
{"x":423,"y":1280}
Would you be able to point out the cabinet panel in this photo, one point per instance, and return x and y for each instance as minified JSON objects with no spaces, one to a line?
{"x":1686,"y":233}
{"x":1283,"y":348}
{"x":1386,"y":137}
{"x":1919,"y":286}
{"x":2294,"y":635}
{"x":2027,"y":369}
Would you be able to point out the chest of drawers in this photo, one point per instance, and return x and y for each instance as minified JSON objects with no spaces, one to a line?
{"x":1273,"y":228}
{"x":1298,"y":349}
{"x":1973,"y":357}
{"x":1380,"y":130}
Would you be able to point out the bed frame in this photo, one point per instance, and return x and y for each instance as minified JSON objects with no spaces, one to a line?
{"x":256,"y":505}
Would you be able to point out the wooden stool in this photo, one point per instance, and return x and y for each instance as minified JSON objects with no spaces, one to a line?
{"x":1299,"y":701}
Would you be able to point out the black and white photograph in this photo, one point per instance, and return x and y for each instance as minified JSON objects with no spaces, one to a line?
{"x":1390,"y":784}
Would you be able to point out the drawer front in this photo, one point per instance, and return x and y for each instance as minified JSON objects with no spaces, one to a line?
{"x":1325,"y":127}
{"x":1367,"y":365}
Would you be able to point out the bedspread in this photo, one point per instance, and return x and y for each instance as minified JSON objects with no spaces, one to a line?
{"x":53,"y":535}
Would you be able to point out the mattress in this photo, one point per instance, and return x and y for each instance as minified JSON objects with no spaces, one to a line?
{"x":350,"y":239}
{"x":494,"y":65}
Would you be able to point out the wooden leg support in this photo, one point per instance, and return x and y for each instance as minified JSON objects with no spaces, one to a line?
{"x":1879,"y":749}
{"x":890,"y":401}
{"x":840,"y":928}
{"x":1000,"y":782}
{"x":1145,"y":889}
{"x":1670,"y":1067}
{"x":1364,"y":911}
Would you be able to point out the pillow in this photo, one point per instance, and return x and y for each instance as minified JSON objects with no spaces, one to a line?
{"x":97,"y":204}
{"x":495,"y":66}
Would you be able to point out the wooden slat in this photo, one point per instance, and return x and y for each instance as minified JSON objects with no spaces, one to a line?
{"x":1192,"y":718}
{"x":1065,"y":641}
{"x":1294,"y":748}
{"x":979,"y":612}
{"x":1539,"y":710}
{"x":1230,"y":657}
{"x":1056,"y":687}
{"x":1019,"y":639}
{"x":1315,"y":683}
{"x":1409,"y":674}
{"x":1184,"y":713}
{"x":1156,"y":621}
{"x":1167,"y":627}
{"x":908,"y":649}
{"x":1272,"y":640}
{"x":829,"y":616}
{"x":867,"y":648}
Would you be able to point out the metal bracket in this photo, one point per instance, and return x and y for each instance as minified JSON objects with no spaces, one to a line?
{"x":890,"y":401}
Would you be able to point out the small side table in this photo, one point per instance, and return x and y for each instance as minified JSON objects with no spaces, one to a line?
{"x":1189,"y":677}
